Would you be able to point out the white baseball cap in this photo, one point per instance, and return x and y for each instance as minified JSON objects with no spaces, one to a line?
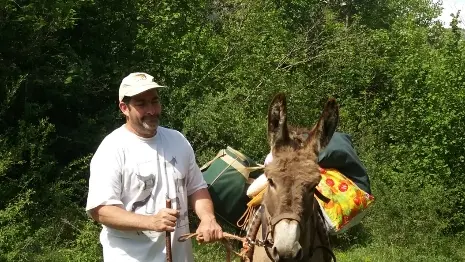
{"x":136,"y":83}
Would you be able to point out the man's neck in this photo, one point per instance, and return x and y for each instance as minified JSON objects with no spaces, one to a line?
{"x":134,"y":130}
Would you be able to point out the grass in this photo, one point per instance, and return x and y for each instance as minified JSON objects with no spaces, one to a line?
{"x":380,"y":238}
{"x":367,"y":244}
{"x":372,"y":241}
{"x":451,"y":251}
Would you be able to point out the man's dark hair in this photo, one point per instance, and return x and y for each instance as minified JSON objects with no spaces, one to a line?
{"x":126,"y":100}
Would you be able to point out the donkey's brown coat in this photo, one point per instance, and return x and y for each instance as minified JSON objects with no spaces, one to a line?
{"x":293,"y":175}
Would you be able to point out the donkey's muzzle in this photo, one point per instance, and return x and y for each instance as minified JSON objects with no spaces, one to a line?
{"x":294,"y":254}
{"x":286,"y":246}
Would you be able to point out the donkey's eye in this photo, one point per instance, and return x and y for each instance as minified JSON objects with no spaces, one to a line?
{"x":270,"y":182}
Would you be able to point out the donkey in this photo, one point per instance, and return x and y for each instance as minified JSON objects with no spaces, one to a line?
{"x":292,"y":226}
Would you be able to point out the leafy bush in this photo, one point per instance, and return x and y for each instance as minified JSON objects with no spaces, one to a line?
{"x":397,"y":74}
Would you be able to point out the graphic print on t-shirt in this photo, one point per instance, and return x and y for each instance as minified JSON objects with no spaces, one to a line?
{"x":138,"y":204}
{"x":147,"y":181}
{"x":180,"y":187}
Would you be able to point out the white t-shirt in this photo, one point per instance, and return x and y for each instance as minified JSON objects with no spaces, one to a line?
{"x":138,"y":173}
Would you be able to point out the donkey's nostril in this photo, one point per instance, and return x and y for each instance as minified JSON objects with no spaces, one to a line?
{"x":275,"y":254}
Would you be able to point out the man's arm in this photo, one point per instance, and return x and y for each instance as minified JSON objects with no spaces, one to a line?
{"x":118,"y":218}
{"x":209,"y":230}
{"x":202,"y":204}
{"x":200,"y":200}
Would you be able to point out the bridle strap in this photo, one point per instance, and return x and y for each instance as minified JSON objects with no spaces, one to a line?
{"x":264,"y":218}
{"x":291,"y":216}
{"x":319,"y":218}
{"x":321,"y":196}
{"x":268,"y":223}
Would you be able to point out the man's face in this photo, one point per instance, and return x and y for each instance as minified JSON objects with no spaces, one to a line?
{"x":143,"y":113}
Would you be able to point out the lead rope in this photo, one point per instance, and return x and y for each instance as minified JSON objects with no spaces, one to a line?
{"x":226,"y":243}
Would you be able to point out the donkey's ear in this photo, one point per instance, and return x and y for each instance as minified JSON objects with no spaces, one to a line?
{"x":278,"y":133}
{"x":325,"y":127}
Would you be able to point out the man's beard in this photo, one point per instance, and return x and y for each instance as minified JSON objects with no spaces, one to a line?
{"x":151,"y":123}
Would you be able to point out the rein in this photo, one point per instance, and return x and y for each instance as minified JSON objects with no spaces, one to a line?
{"x":226,"y":243}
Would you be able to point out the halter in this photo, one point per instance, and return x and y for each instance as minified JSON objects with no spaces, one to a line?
{"x":263,"y":217}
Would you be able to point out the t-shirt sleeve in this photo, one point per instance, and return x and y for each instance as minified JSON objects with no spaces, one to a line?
{"x":105,"y":182}
{"x":195,"y":179}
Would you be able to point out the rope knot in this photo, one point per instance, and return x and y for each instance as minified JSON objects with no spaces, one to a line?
{"x":226,"y":243}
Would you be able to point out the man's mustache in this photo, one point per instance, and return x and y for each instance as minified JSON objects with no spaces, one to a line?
{"x":153,"y":118}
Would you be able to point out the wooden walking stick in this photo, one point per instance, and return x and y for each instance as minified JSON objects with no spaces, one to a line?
{"x":169,"y":256}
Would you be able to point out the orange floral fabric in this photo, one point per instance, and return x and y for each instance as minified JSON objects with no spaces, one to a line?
{"x":348,"y":203}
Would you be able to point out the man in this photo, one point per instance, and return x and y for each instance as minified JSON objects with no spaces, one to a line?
{"x":134,"y":170}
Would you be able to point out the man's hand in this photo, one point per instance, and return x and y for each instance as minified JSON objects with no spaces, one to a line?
{"x":165,"y":220}
{"x":209,"y":231}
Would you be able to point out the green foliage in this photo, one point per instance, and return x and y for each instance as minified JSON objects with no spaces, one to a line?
{"x":398,"y":76}
{"x":15,"y":225}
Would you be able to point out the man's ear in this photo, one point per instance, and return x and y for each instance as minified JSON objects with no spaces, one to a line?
{"x":124,"y":108}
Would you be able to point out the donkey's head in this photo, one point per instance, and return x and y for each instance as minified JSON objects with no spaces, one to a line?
{"x":292,"y":177}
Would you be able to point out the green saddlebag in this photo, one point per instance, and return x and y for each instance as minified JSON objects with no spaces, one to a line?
{"x":340,"y":154}
{"x":228,"y":176}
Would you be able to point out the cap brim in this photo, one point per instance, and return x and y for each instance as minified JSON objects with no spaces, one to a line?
{"x":142,"y":89}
